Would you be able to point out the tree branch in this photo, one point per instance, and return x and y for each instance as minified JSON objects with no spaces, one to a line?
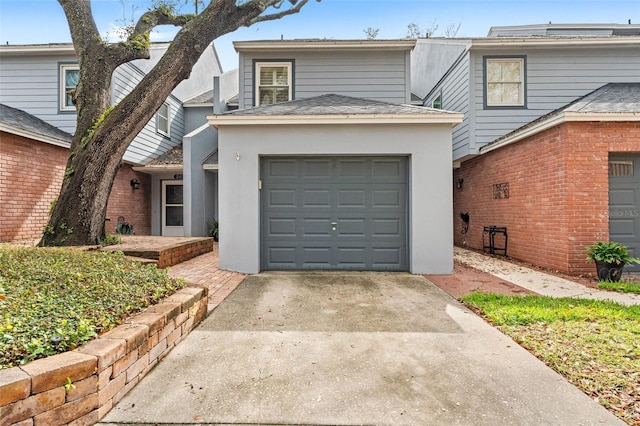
{"x":155,"y":17}
{"x":278,"y":15}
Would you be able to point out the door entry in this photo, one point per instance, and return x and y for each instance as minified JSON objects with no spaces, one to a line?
{"x":172,"y":209}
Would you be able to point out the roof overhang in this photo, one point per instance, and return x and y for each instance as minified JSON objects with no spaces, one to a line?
{"x":547,"y":41}
{"x":37,"y":49}
{"x":324,"y":44}
{"x":34,"y":135}
{"x":266,"y":120}
{"x":555,"y":120}
{"x":168,"y":168}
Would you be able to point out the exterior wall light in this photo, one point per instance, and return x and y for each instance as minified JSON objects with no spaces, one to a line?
{"x":135,"y":184}
{"x":459,"y":183}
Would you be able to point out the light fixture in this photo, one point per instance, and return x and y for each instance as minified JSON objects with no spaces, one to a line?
{"x":237,"y":156}
{"x":135,"y":184}
{"x":459,"y":183}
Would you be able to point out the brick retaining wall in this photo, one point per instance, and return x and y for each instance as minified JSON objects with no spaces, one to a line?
{"x":102,"y":371}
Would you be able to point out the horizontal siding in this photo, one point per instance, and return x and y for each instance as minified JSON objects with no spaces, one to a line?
{"x":373,"y":75}
{"x":455,"y":97}
{"x":31,"y":83}
{"x":554,"y":79}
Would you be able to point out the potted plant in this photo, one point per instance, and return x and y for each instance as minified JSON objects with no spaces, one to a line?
{"x":610,"y":258}
{"x":213,"y":229}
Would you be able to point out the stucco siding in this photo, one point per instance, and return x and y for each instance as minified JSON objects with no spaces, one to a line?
{"x":554,"y":78}
{"x":427,"y":146}
{"x":379,"y":75}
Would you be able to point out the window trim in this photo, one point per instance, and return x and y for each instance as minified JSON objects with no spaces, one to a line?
{"x":523,"y":87}
{"x":62,"y":86}
{"x":158,"y":129}
{"x":258,"y":63}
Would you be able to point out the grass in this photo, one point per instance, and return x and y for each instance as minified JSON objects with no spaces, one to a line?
{"x":593,"y":344}
{"x":622,"y":287}
{"x":54,"y":300}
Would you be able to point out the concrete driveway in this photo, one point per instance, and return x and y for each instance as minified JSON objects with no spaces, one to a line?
{"x":351,"y":348}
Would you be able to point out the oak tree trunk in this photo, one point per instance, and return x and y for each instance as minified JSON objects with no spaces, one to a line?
{"x":104,"y":132}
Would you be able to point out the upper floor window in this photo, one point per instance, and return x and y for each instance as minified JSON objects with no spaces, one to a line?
{"x":437,"y":102}
{"x":69,"y":78}
{"x":505,"y":81}
{"x":162,"y":120}
{"x":273,"y":82}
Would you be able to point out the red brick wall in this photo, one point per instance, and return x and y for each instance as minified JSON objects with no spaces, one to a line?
{"x":30,"y":178}
{"x":558,"y":192}
{"x":133,"y":204}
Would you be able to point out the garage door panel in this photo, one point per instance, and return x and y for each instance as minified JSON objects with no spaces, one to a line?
{"x":389,"y":169}
{"x":316,"y":198}
{"x":351,"y":198}
{"x":282,"y":227}
{"x":348,"y":169}
{"x":282,"y":198}
{"x":343,"y":218}
{"x":283,"y":168}
{"x":282,"y":257}
{"x":315,"y":227}
{"x":316,"y":169}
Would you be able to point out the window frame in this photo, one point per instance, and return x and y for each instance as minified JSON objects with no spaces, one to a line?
{"x":160,"y":131}
{"x":260,"y":63}
{"x":62,"y":86}
{"x":523,"y":83}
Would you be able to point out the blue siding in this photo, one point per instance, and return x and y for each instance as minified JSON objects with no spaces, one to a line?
{"x":455,"y":97}
{"x":31,"y":83}
{"x":555,"y":77}
{"x":380,"y":75}
{"x":149,"y":143}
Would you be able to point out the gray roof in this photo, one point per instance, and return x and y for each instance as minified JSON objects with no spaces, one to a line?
{"x":24,"y":121}
{"x":332,"y":104}
{"x":171,"y":157}
{"x":613,"y":97}
{"x":205,"y":98}
{"x":610,"y":98}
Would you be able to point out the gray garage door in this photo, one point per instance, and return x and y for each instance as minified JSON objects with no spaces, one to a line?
{"x":334,"y":213}
{"x":624,"y":203}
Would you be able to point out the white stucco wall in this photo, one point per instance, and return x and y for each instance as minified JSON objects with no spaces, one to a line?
{"x":428,"y":147}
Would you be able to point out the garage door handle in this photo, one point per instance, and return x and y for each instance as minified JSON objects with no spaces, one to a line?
{"x":334,"y":226}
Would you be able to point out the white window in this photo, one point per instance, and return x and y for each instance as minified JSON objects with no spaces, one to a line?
{"x":273,"y":82}
{"x":162,"y":120}
{"x":505,"y":82}
{"x":69,"y":78}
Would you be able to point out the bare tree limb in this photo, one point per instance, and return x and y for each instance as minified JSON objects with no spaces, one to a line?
{"x":275,"y":16}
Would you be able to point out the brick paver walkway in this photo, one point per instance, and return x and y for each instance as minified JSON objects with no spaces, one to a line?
{"x":203,"y":270}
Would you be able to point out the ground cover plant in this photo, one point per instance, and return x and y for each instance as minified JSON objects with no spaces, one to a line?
{"x":593,"y":344}
{"x":54,"y":300}
{"x":622,"y":287}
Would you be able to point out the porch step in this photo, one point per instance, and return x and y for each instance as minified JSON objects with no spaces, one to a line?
{"x":166,"y":251}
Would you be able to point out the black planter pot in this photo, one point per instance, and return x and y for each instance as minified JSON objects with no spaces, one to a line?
{"x":609,"y":271}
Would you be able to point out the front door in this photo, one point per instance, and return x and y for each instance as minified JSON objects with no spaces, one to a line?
{"x":172,"y":209}
{"x":624,"y":203}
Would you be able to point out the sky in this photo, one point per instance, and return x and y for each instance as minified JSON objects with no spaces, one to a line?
{"x":43,"y":21}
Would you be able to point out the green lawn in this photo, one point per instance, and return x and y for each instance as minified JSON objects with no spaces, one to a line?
{"x":594,"y":344}
{"x":622,"y":287}
{"x":54,"y":300}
